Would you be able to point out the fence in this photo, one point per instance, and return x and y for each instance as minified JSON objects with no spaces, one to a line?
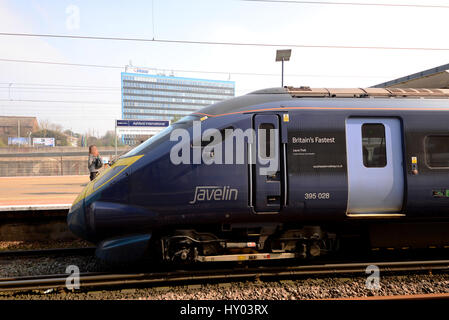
{"x":49,"y":163}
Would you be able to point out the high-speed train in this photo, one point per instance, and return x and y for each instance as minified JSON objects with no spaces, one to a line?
{"x":276,"y":174}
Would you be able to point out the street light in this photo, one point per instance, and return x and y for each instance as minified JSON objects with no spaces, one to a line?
{"x":283,"y":55}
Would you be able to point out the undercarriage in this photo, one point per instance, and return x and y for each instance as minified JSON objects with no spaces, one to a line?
{"x":246,"y":242}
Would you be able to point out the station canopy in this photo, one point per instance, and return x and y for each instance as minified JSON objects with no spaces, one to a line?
{"x":432,"y":78}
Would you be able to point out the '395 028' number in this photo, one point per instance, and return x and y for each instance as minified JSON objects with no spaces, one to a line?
{"x":315,"y":195}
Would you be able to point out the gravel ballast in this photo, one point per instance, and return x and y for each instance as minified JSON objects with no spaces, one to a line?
{"x":39,"y":245}
{"x":311,"y":288}
{"x":34,"y":266}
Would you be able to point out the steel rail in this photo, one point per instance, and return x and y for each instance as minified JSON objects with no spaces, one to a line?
{"x":91,"y":280}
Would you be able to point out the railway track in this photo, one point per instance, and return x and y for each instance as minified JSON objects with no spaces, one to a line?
{"x":107,"y":280}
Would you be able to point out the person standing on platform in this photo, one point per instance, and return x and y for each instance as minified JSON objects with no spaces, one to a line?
{"x":95,"y":162}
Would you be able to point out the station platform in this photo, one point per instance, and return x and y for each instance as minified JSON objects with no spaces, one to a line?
{"x":40,"y":193}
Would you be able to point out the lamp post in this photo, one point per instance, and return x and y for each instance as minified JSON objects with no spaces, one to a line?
{"x":283,"y":55}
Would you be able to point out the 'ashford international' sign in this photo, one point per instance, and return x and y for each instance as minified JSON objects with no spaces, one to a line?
{"x":141,"y":127}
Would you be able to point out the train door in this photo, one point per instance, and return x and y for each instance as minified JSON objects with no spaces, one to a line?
{"x":375,"y":165}
{"x":267,"y":169}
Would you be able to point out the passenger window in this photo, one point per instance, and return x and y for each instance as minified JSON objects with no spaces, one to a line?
{"x":437,"y":151}
{"x":373,"y":144}
{"x":265,"y":146}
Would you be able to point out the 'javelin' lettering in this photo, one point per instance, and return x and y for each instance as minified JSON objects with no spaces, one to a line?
{"x":207,"y":193}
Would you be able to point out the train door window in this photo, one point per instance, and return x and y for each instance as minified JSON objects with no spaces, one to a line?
{"x":373,"y":144}
{"x":265,"y":146}
{"x":437,"y":151}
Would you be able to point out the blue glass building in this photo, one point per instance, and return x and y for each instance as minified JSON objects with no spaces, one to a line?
{"x":162,"y":97}
{"x":158,"y":97}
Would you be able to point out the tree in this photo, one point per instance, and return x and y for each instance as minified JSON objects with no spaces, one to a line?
{"x":47,"y":125}
{"x":108,"y":140}
{"x":69,"y":132}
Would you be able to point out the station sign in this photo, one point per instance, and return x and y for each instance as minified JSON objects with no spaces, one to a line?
{"x":141,"y":127}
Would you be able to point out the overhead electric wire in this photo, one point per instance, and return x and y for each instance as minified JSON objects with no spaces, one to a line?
{"x":224,"y":43}
{"x":56,"y":85}
{"x":63,"y":63}
{"x":58,"y":89}
{"x":198,"y":71}
{"x":59,"y":101}
{"x":367,"y":4}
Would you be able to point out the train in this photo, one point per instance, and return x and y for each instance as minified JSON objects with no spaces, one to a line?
{"x":280,"y":173}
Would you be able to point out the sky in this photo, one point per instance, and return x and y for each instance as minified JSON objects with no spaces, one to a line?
{"x":87,"y":99}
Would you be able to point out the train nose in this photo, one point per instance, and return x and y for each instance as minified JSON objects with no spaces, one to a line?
{"x":76,"y":220}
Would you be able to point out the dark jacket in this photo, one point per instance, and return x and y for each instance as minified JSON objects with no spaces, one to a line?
{"x":91,"y":163}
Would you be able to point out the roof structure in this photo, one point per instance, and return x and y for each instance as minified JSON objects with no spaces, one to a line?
{"x":432,"y":78}
{"x":24,"y":121}
{"x":367,"y":92}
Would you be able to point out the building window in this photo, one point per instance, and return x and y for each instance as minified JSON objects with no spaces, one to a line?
{"x":373,"y":145}
{"x":437,"y":151}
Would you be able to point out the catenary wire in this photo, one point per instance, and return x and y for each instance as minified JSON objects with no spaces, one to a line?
{"x":237,"y":73}
{"x":224,"y":43}
{"x":366,"y":4}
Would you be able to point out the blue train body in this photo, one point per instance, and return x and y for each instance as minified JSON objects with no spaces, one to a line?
{"x":147,"y":205}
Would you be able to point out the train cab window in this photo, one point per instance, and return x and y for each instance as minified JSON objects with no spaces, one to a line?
{"x":373,"y":144}
{"x":437,"y":151}
{"x":225,"y":133}
{"x":265,"y":146}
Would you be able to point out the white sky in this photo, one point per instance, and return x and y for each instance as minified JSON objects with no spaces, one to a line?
{"x":221,"y":21}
